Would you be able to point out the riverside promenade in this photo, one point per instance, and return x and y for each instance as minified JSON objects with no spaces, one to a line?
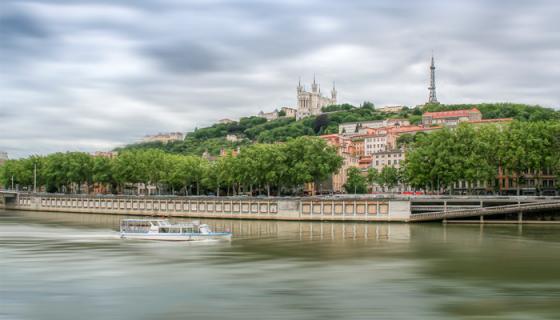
{"x":389,"y":208}
{"x":309,"y":208}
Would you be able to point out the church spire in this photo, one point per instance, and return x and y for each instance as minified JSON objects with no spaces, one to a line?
{"x":314,"y":84}
{"x":333,"y":92}
{"x":432,"y":88}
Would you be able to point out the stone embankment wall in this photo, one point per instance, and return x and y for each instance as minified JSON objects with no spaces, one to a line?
{"x":222,"y":207}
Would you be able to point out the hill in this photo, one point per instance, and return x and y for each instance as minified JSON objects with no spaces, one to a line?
{"x":256,"y":129}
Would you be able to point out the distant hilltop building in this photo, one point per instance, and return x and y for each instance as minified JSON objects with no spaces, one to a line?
{"x":285,"y":112}
{"x":358,"y":128}
{"x":268,"y":115}
{"x":225,"y":121}
{"x":310,"y":103}
{"x":289,"y":112}
{"x":232,"y":138}
{"x":164,"y":137}
{"x":391,"y":109}
{"x":106,"y":154}
{"x":451,"y":118}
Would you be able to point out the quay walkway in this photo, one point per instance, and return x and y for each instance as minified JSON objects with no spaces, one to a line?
{"x":388,"y":208}
{"x":485,"y":211}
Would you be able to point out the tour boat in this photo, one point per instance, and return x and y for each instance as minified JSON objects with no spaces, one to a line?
{"x":160,"y":229}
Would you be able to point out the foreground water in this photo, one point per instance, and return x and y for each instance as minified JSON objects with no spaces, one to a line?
{"x":74,"y":266}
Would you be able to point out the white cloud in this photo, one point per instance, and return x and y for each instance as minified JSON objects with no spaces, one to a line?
{"x":94,"y":74}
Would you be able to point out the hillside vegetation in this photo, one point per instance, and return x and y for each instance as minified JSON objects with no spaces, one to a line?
{"x":255,"y":129}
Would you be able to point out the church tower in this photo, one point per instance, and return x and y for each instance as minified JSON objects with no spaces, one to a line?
{"x":314,"y":86}
{"x":333,"y":93}
{"x":432,"y":88}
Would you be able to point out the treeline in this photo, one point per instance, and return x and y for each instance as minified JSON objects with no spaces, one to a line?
{"x":438,"y":160}
{"x":518,"y":111}
{"x":255,"y":129}
{"x":257,"y":169}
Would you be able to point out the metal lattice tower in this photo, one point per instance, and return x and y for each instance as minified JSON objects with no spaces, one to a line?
{"x":432,"y":88}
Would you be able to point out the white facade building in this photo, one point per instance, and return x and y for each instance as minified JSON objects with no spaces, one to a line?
{"x":375,"y":143}
{"x":311,"y":103}
{"x":352,"y":128}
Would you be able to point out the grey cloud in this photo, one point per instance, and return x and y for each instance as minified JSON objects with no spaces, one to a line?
{"x":15,"y":25}
{"x":186,"y":57}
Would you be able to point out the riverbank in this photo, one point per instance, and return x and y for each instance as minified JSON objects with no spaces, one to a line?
{"x":366,"y":208}
{"x":339,"y":209}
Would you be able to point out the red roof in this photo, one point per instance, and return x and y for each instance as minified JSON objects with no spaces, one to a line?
{"x":454,"y":113}
{"x":491,"y":120}
{"x":412,"y":129}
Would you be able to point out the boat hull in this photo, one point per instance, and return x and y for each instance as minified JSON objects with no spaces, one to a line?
{"x":178,"y":236}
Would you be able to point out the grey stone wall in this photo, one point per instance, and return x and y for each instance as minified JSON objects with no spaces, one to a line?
{"x":223,"y":207}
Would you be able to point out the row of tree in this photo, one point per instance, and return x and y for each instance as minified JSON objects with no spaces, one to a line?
{"x":472,"y":154}
{"x":387,"y":178}
{"x":259,"y":168}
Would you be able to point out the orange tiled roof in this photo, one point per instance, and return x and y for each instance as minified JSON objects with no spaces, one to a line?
{"x":454,"y":113}
{"x":491,"y":120}
{"x":412,"y":129}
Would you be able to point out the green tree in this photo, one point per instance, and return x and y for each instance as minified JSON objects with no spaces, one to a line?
{"x":356,"y":182}
{"x":372,"y":177}
{"x":103,"y":172}
{"x":388,"y":177}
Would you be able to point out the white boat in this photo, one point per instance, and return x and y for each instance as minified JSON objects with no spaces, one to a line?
{"x":160,"y":229}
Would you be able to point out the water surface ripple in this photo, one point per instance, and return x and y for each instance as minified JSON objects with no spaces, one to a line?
{"x":75,"y":266}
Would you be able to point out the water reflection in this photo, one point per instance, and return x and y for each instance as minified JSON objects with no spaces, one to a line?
{"x":62,"y":266}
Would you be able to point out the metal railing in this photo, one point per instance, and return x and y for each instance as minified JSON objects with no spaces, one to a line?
{"x":434,"y":216}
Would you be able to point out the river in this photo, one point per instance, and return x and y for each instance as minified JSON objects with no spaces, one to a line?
{"x":74,"y":266}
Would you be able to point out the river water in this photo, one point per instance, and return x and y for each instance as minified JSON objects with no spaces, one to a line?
{"x":74,"y":266}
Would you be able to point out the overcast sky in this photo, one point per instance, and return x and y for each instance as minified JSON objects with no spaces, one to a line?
{"x":91,"y":75}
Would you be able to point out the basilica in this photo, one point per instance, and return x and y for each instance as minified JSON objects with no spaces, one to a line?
{"x":310,"y":103}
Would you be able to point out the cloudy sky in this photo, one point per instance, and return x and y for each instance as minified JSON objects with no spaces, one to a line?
{"x":91,"y":75}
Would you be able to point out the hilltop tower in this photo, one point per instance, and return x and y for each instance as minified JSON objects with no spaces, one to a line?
{"x":432,"y":88}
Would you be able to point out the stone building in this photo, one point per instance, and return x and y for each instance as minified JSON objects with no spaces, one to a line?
{"x":375,"y":143}
{"x":391,"y":109}
{"x":360,"y":128}
{"x":289,"y":112}
{"x":310,"y":103}
{"x":269,"y":116}
{"x":106,"y":154}
{"x":392,"y":158}
{"x":232,"y":138}
{"x":345,"y":149}
{"x":225,"y":121}
{"x":164,"y":137}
